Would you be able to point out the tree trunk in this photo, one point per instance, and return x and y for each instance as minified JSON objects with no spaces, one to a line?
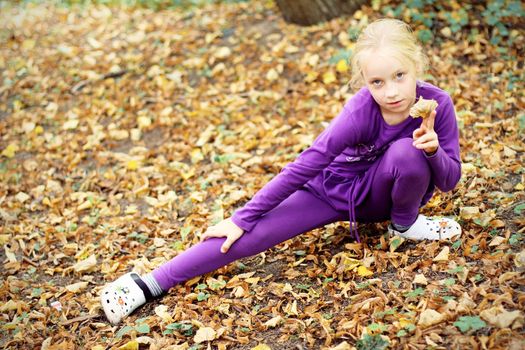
{"x":308,"y":12}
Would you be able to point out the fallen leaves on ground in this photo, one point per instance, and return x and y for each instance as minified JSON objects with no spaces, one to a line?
{"x":125,"y":133}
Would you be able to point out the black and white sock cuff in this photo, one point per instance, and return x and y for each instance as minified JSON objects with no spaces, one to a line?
{"x":153,"y":285}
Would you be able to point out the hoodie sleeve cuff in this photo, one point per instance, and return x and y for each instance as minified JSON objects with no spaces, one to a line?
{"x":241,"y":223}
{"x":432,"y":155}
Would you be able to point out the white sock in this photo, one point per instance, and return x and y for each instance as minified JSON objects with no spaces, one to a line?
{"x":153,"y":286}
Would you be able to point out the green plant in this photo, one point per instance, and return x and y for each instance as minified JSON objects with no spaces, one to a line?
{"x":466,"y":323}
{"x":496,"y":13}
{"x":415,"y":293}
{"x":184,"y":328}
{"x":371,"y":342}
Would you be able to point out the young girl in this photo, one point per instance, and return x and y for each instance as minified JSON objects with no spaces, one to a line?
{"x":374,"y":162}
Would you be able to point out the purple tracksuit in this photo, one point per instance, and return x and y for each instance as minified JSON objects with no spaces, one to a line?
{"x":359,"y":169}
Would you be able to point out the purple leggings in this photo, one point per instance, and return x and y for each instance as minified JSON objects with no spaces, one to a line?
{"x":398,"y":186}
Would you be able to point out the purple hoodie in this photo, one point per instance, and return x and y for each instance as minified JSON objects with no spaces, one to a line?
{"x":349,"y":146}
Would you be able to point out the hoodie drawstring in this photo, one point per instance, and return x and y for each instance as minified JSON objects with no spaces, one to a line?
{"x":351,"y":212}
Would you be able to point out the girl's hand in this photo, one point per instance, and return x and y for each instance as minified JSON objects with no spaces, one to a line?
{"x":225,"y":228}
{"x":425,"y":137}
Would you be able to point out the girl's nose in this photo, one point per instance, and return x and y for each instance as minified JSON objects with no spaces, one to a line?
{"x":391,"y":90}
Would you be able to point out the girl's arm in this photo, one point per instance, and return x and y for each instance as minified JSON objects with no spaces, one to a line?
{"x":445,"y":162}
{"x":328,"y":145}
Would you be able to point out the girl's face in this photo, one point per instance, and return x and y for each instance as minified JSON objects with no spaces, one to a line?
{"x":391,"y":82}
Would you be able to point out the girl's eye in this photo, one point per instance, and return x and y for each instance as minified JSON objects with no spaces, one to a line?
{"x":376,"y":82}
{"x":400,"y":75}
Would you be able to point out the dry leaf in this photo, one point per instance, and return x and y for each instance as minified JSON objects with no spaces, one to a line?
{"x":499,"y":317}
{"x":430,"y":317}
{"x":291,"y":308}
{"x":274,"y":321}
{"x":130,"y":345}
{"x":162,"y":312}
{"x":329,"y":77}
{"x":342,"y":346}
{"x":422,"y":108}
{"x":420,"y":279}
{"x":468,"y":212}
{"x":364,"y":272}
{"x":86,"y":264}
{"x":261,"y":347}
{"x":204,"y":334}
{"x":22,"y":197}
{"x":443,"y":255}
{"x":496,"y":241}
{"x":76,"y":287}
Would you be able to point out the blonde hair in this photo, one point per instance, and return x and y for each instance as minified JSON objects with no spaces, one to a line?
{"x":393,"y":34}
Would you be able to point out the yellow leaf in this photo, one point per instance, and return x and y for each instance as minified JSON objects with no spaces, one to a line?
{"x":329,"y":77}
{"x":403,"y":322}
{"x":350,"y":263}
{"x":342,"y":66}
{"x":196,"y":156}
{"x":38,"y":130}
{"x":143,"y":122}
{"x":132,"y":164}
{"x":28,"y":44}
{"x":262,"y":347}
{"x":10,"y":150}
{"x":4,"y":239}
{"x":363,"y":271}
{"x":98,"y":347}
{"x":130,"y":345}
{"x":253,"y":280}
{"x":311,"y":76}
{"x":519,"y":187}
{"x":86,"y":205}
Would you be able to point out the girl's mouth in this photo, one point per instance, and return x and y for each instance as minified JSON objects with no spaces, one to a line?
{"x":393,"y":104}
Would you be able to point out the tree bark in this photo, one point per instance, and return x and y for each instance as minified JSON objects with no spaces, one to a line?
{"x":308,"y":12}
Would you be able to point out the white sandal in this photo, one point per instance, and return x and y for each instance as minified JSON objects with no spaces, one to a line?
{"x":429,"y":228}
{"x":121,"y":297}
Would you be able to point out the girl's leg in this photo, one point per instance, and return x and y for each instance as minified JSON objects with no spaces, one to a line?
{"x":301,"y":212}
{"x":399,"y":182}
